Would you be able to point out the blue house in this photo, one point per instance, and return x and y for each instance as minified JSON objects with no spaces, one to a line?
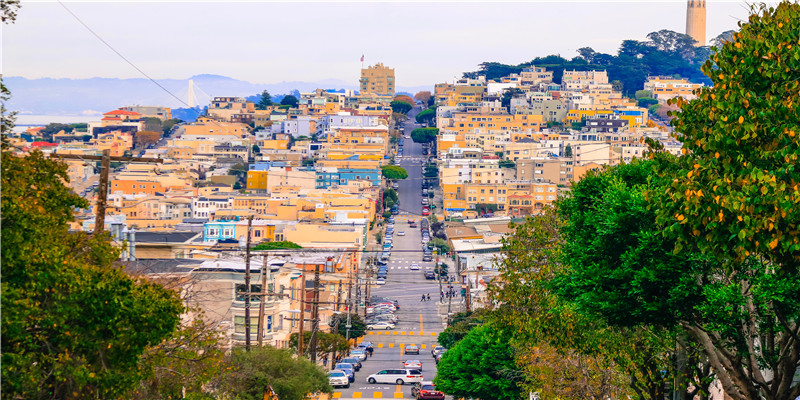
{"x":219,"y":230}
{"x":341,"y":176}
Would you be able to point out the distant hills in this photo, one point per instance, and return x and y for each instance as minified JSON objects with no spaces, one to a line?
{"x":48,"y":96}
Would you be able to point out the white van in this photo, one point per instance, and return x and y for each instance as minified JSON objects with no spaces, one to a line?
{"x":397,"y":376}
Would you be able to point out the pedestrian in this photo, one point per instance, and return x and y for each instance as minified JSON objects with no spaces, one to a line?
{"x":370,"y":349}
{"x":429,"y":297}
{"x":423,"y":298}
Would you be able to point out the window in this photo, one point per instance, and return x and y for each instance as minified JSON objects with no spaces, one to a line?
{"x":240,"y":325}
{"x":240,"y":296}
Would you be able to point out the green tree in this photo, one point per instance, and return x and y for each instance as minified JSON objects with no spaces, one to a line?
{"x":394,"y":172}
{"x":152,"y":124}
{"x":252,"y":372}
{"x":460,"y":325}
{"x":734,"y":195}
{"x":280,"y":245}
{"x":290,"y":101}
{"x":646,"y":102}
{"x":557,"y":339}
{"x":509,"y":94}
{"x":327,"y":343}
{"x":256,"y":149}
{"x":54,"y":128}
{"x":480,"y":366}
{"x":426,"y":116}
{"x":264,"y":101}
{"x":507,"y":164}
{"x":169,"y":124}
{"x":389,"y":198}
{"x":357,"y":326}
{"x":568,"y":151}
{"x":424,"y":135}
{"x":400,"y":107}
{"x":640,"y":94}
{"x":73,"y":325}
{"x":7,"y":118}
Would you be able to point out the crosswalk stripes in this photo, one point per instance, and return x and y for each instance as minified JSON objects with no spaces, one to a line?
{"x":409,"y":333}
{"x":375,"y":395}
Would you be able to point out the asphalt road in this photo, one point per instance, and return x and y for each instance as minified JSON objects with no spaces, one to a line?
{"x":419,"y":322}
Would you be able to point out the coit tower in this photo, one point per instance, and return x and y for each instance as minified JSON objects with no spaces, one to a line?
{"x":696,"y":21}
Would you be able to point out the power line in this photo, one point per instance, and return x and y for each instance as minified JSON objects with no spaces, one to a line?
{"x":121,"y":56}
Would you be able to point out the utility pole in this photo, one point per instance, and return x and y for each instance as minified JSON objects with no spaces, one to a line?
{"x":349,"y":302}
{"x":302,"y":314}
{"x":314,"y":317}
{"x":439,"y":275}
{"x":265,"y":271}
{"x":247,"y":287}
{"x":366,"y":286}
{"x":338,"y":294}
{"x":105,"y":166}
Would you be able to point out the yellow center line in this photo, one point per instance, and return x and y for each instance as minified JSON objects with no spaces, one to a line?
{"x":420,"y":325}
{"x":397,"y":389}
{"x":377,"y":395}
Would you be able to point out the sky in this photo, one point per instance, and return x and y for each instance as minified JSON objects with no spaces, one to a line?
{"x":269,"y":42}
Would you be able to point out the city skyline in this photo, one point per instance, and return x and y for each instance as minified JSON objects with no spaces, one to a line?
{"x":324,"y":41}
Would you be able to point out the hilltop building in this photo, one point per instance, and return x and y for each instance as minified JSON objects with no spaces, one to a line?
{"x":378,"y":80}
{"x":696,"y":21}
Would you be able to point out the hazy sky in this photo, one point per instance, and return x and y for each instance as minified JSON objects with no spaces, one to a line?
{"x":268,"y":42}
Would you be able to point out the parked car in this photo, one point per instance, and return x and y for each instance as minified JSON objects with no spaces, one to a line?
{"x":437,"y":349}
{"x":359,"y":353}
{"x":380,"y":281}
{"x":382,"y":326}
{"x":354,"y":361}
{"x":397,"y":376}
{"x":426,"y":391}
{"x":427,"y":257}
{"x":413,"y":364}
{"x":411,"y":349}
{"x":426,"y":211}
{"x":439,"y":356}
{"x":348,"y":369}
{"x":338,"y":378}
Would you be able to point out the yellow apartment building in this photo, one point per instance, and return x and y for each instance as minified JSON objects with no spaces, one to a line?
{"x":116,"y":142}
{"x":447,"y":140}
{"x":319,"y":235}
{"x":580,"y":115}
{"x":529,"y":197}
{"x":665,"y":88}
{"x":206,"y":126}
{"x":466,"y":122}
{"x":454,"y":99}
{"x":257,"y":180}
{"x":276,"y":144}
{"x":377,"y":79}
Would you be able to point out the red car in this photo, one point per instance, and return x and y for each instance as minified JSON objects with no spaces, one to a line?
{"x":426,"y":211}
{"x":425,"y":391}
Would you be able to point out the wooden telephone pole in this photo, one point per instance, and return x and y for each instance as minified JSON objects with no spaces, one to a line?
{"x":105,"y":166}
{"x":247,"y":287}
